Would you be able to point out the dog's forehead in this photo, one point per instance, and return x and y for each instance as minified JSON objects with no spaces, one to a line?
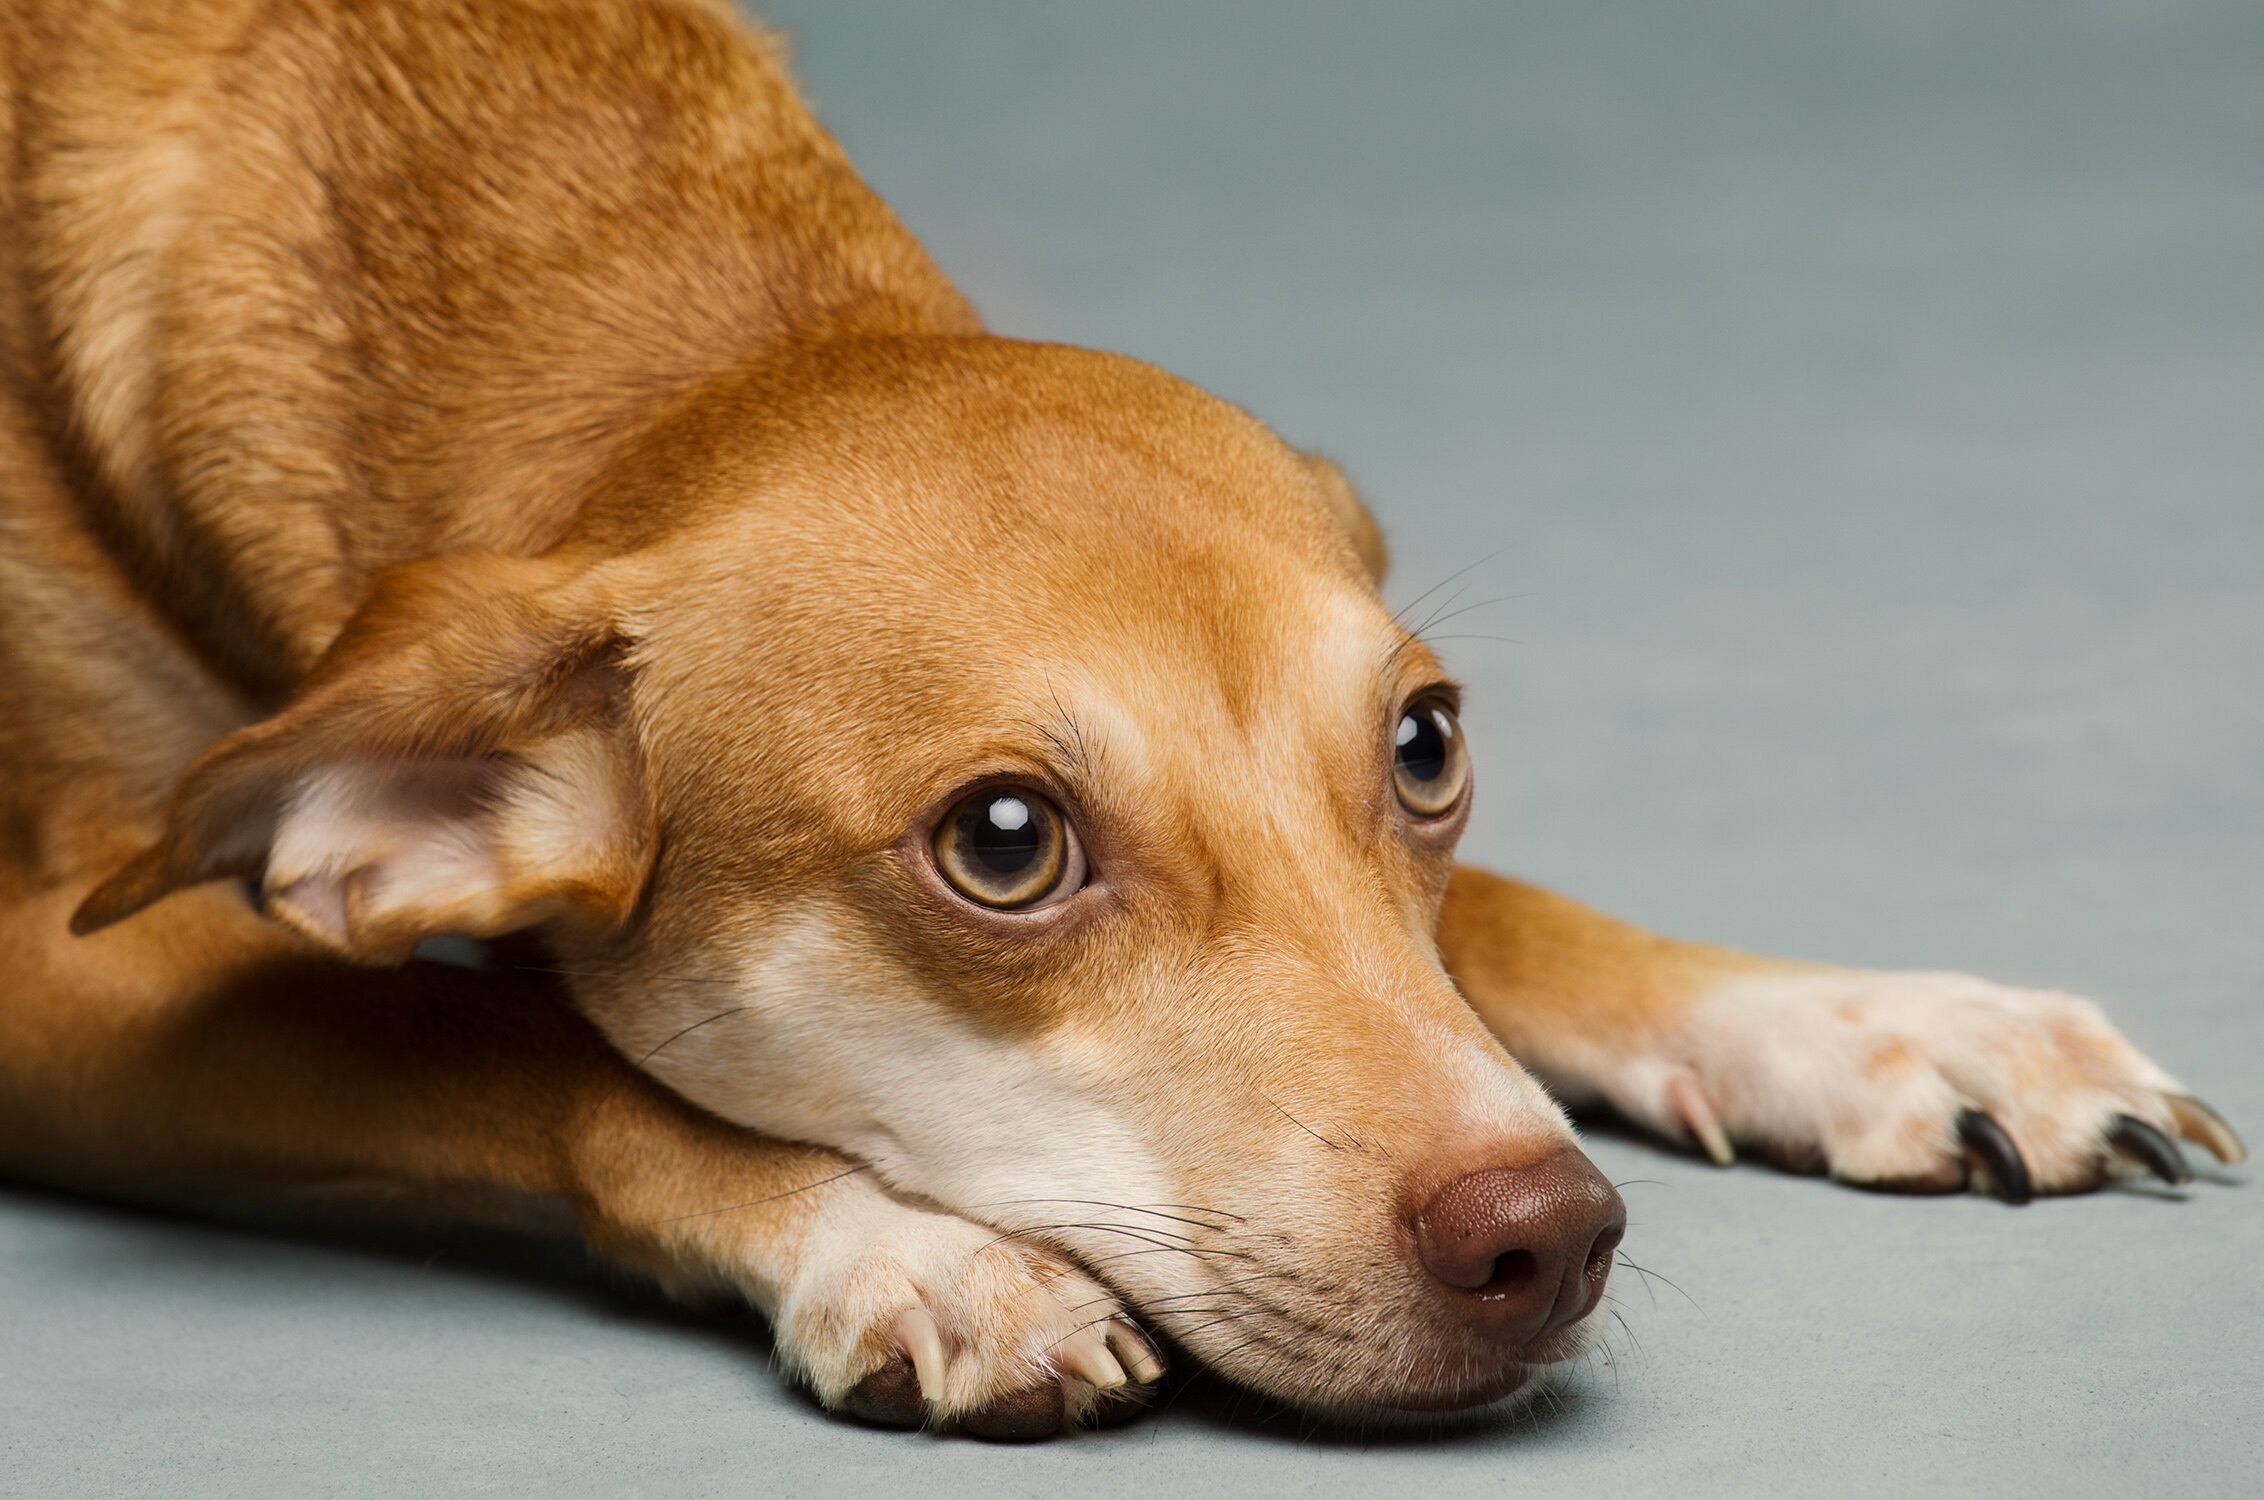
{"x":1096,"y":467}
{"x":1006,"y":511}
{"x":1006,"y":564}
{"x":876,"y":464}
{"x":994,"y":637}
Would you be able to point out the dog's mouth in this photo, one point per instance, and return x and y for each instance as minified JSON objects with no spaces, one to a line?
{"x":1338,"y":1356}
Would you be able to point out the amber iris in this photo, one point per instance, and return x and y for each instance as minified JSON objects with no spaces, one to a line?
{"x":1003,"y":847}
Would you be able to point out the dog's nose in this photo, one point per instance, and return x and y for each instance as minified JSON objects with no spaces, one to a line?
{"x":1527,"y":1249}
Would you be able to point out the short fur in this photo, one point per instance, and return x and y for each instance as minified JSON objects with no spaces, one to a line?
{"x":493,"y":468}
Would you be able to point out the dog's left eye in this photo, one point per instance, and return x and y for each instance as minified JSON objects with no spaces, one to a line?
{"x":1429,"y":768}
{"x":1006,"y":848}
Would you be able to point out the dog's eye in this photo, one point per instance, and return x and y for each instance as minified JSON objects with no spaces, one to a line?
{"x":1004,"y":847}
{"x":1428,"y":766}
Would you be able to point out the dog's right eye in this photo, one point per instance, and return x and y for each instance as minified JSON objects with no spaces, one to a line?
{"x":1429,"y":766}
{"x":1005,"y":848}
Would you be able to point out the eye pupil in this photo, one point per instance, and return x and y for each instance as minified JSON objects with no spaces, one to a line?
{"x":1423,"y":744}
{"x":1005,"y":836}
{"x":1428,"y":763}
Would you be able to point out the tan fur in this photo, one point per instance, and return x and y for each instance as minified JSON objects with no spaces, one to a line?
{"x":492,"y":468}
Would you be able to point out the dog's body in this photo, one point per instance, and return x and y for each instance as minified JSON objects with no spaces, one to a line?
{"x":484,"y":468}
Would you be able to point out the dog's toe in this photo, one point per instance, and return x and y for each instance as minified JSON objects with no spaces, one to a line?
{"x":1928,"y":1083}
{"x":904,"y":1317}
{"x":1117,"y":1407}
{"x":1022,"y":1416}
{"x":889,"y":1397}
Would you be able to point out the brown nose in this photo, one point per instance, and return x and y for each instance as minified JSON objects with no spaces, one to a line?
{"x":1527,"y":1247}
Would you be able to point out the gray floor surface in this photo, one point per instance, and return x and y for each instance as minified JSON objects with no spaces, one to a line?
{"x":1855,"y":414}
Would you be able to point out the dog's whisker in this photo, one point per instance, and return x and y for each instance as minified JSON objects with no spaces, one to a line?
{"x":1185,"y":1334}
{"x":1160,"y":1238}
{"x":1153,"y":1247}
{"x":1648,"y":1274}
{"x":1399,"y":615}
{"x":1625,"y":1327}
{"x":1192,"y":1208}
{"x":1301,"y":1125}
{"x":1228,"y":1288}
{"x":1130,"y":1208}
{"x":1190,"y":1250}
{"x":1423,"y":632}
{"x":687,"y":1031}
{"x":1416,"y":631}
{"x":628,"y":975}
{"x":730,"y":1208}
{"x":1145,"y":1236}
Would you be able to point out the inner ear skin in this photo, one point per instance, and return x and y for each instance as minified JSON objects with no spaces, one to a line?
{"x":460,"y":761}
{"x":371,"y":857}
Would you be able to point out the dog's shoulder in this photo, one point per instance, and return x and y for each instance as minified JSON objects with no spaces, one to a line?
{"x":332,"y":286}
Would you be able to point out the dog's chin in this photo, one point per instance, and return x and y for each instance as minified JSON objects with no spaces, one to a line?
{"x":1497,"y":1395}
{"x":1502,"y":1390}
{"x":1438,"y":1411}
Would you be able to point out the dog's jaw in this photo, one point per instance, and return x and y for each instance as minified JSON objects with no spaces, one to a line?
{"x":813,"y":1038}
{"x":1268,"y":1246}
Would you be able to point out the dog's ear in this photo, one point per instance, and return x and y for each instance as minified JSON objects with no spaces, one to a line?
{"x":1359,"y":527}
{"x":462,"y":760}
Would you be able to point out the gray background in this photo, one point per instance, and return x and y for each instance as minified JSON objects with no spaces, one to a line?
{"x":1857,"y":408}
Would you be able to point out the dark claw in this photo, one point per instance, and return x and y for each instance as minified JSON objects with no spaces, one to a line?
{"x":889,"y":1397}
{"x":1117,"y":1407}
{"x":1985,"y":1138}
{"x":1021,"y":1416}
{"x":2151,"y":1149}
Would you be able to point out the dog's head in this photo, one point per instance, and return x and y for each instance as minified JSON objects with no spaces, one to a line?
{"x":994,"y":761}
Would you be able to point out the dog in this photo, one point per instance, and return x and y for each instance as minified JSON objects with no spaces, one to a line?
{"x":969,"y":856}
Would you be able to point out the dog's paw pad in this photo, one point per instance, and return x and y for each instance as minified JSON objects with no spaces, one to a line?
{"x":889,"y":1397}
{"x":1023,"y":1416}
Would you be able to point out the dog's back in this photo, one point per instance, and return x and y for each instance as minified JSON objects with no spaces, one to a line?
{"x":255,"y":355}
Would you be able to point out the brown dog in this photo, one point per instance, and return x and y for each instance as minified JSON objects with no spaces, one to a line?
{"x":489,"y":466}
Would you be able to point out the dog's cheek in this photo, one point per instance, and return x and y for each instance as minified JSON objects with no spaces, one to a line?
{"x":806,"y":1030}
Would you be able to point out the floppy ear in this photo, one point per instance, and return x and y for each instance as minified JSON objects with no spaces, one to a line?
{"x":460,"y":761}
{"x":1359,"y":527}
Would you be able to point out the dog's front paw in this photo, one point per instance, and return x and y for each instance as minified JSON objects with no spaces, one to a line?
{"x":1923,"y":1082}
{"x":908,"y":1318}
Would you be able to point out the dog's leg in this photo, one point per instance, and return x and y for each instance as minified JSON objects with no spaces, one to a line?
{"x":195,"y":1046}
{"x":1919,"y":1081}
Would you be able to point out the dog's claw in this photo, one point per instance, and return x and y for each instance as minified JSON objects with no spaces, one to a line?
{"x":2151,"y":1149}
{"x":1688,"y":1097}
{"x":1986,"y":1139}
{"x":1139,"y":1359}
{"x":1084,"y":1355}
{"x":1117,"y":1407}
{"x":922,"y":1342}
{"x":2198,"y":1123}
